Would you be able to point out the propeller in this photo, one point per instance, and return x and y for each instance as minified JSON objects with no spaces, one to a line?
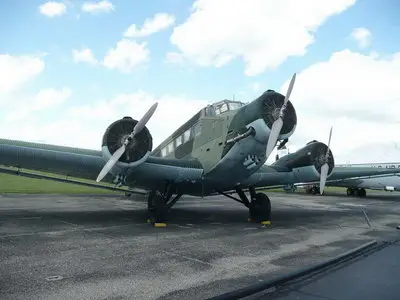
{"x":278,"y":123}
{"x":325,"y":167}
{"x":120,"y":151}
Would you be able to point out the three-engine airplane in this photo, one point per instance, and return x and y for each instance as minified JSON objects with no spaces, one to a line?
{"x":221,"y":149}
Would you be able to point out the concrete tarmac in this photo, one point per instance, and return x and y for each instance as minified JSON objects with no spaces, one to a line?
{"x":100,"y":247}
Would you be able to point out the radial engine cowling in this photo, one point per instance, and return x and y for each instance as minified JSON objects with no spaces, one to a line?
{"x":271,"y":103}
{"x":306,"y":163}
{"x":266,"y":107}
{"x":136,"y":151}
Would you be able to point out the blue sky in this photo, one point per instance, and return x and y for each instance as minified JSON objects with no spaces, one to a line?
{"x":29,"y":32}
{"x":57,"y":36}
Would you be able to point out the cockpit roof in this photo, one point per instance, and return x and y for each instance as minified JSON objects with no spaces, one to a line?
{"x":223,"y":106}
{"x":219,"y":103}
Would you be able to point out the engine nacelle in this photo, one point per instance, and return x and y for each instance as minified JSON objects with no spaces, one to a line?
{"x":271,"y":103}
{"x":267,"y":108}
{"x":306,"y":163}
{"x":137,"y":151}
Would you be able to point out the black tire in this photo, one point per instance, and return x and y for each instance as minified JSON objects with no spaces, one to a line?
{"x":260,"y":208}
{"x":350,"y":192}
{"x":315,"y":190}
{"x":157,"y":208}
{"x":362,"y":193}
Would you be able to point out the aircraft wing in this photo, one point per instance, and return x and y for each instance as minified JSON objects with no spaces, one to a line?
{"x":269,"y":176}
{"x":86,"y":164}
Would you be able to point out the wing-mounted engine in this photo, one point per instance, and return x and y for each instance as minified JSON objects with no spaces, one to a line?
{"x":311,"y":163}
{"x":136,"y":151}
{"x":307,"y":163}
{"x":126,"y":143}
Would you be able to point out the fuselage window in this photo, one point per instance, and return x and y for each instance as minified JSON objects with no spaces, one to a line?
{"x":197,"y":129}
{"x":163,"y":152}
{"x":178,"y":141}
{"x":210,"y":111}
{"x":170,"y":147}
{"x":186,"y":136}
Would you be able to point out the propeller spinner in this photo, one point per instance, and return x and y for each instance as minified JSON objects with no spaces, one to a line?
{"x":277,"y":125}
{"x":120,"y":151}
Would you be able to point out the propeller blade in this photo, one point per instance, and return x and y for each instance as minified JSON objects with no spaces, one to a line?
{"x":289,"y":92}
{"x":111,"y":162}
{"x":324,"y":175}
{"x":277,"y":125}
{"x":329,"y":144}
{"x":143,"y":121}
{"x":325,"y":167}
{"x":273,"y":136}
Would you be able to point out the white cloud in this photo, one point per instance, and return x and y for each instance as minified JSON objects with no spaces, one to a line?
{"x":91,"y":120}
{"x":84,"y":55}
{"x":175,"y":58}
{"x":50,"y":97}
{"x":152,"y":25}
{"x":362,"y":36}
{"x":17,"y":70}
{"x":214,"y":34}
{"x":126,"y":55}
{"x":357,"y":94}
{"x":98,"y":7}
{"x":53,"y":9}
{"x":45,"y":99}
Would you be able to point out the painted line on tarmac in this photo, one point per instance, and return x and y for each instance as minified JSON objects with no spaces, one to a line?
{"x":68,"y":223}
{"x":29,"y":218}
{"x":351,"y":204}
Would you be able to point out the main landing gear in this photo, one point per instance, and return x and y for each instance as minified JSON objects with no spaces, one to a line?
{"x":259,"y":206}
{"x":314,"y":189}
{"x":159,"y":204}
{"x":356,"y":192}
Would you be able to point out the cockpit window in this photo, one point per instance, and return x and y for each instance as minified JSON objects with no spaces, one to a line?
{"x":235,"y":105}
{"x":224,"y":106}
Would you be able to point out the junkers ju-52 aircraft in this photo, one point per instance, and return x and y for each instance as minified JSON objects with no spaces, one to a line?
{"x":221,"y":149}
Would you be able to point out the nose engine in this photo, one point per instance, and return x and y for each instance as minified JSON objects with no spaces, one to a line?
{"x":271,"y":104}
{"x":273,"y":115}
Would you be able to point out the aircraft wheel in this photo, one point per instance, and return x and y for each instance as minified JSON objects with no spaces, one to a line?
{"x":315,"y":190}
{"x":362,"y":193}
{"x":260,"y":208}
{"x":157,"y":208}
{"x":350,"y":192}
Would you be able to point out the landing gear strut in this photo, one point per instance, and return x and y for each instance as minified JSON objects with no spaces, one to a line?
{"x":159,"y":204}
{"x":259,"y":206}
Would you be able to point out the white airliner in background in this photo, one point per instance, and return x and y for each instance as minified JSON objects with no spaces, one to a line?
{"x":357,"y":186}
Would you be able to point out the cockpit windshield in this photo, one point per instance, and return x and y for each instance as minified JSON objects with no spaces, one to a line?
{"x":223,"y":106}
{"x":235,"y":105}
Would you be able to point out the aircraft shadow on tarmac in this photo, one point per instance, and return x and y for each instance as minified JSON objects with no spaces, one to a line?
{"x":181,"y":215}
